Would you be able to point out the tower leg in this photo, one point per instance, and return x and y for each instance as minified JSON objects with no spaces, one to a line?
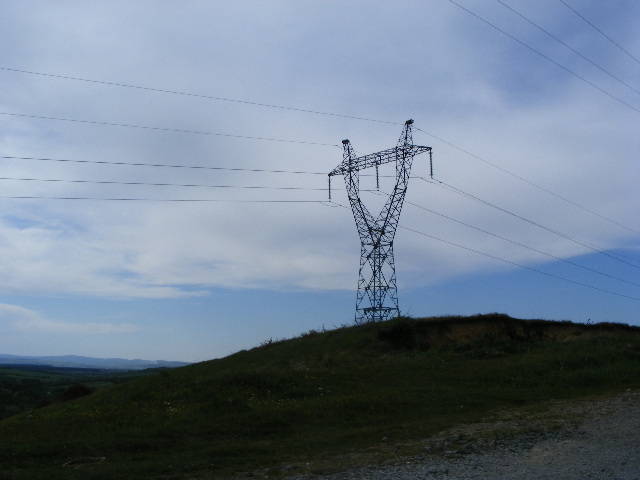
{"x":377,"y":295}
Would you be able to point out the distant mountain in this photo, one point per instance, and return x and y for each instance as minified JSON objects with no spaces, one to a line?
{"x":76,"y":361}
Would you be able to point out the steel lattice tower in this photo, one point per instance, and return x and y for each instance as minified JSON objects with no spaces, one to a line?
{"x":377,"y":296}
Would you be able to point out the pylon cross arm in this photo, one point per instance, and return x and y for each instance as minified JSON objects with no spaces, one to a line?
{"x":378,"y":158}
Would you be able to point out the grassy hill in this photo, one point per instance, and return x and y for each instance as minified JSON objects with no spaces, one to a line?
{"x":24,"y":387}
{"x":320,"y":395}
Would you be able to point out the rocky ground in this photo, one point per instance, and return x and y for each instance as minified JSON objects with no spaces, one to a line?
{"x":590,"y":439}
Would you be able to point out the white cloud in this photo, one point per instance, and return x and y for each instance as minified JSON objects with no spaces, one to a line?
{"x":24,"y":319}
{"x":456,"y":78}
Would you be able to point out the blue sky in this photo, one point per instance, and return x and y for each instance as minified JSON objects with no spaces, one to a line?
{"x":193,"y":281}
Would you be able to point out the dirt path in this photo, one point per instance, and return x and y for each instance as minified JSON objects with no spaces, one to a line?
{"x":595,"y":439}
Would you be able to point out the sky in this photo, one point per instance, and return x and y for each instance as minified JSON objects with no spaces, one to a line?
{"x":198,"y":280}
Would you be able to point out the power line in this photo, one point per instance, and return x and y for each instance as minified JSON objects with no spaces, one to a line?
{"x":164,"y":129}
{"x":471,"y":196}
{"x":511,"y":262}
{"x":518,"y":243}
{"x":530,"y":183}
{"x":150,"y":184}
{"x":333,"y":114}
{"x":196,"y":95}
{"x":177,"y":200}
{"x":173,"y":165}
{"x":160,"y":165}
{"x":595,"y":27}
{"x":532,"y":222}
{"x":523,"y":245}
{"x":526,"y":267}
{"x":304,"y":110}
{"x":565,"y":44}
{"x":546,"y":57}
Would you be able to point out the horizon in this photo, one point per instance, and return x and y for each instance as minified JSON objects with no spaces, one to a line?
{"x":72,"y":355}
{"x":320,"y":329}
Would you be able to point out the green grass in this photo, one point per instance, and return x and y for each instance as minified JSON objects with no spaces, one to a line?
{"x":311,"y":398}
{"x":25,"y":387}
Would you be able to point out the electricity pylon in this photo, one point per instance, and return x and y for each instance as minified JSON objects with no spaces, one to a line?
{"x":377,"y":296}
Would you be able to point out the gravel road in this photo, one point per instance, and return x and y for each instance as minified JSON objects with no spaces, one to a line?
{"x":595,"y":439}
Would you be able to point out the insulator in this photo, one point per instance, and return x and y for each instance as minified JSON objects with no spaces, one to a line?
{"x":431,"y":164}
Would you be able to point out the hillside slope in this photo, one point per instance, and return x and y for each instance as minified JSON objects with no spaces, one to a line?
{"x":308,"y":399}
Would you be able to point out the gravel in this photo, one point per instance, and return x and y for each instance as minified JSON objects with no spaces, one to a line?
{"x":595,"y":439}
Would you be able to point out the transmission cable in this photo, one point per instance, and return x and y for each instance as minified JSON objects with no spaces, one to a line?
{"x":512,"y":241}
{"x":164,"y":129}
{"x":151,"y":184}
{"x":333,"y":114}
{"x":529,"y":182}
{"x":546,"y":57}
{"x":140,"y":199}
{"x":173,"y":165}
{"x":511,"y":262}
{"x":471,"y":196}
{"x":196,"y":95}
{"x":601,"y":32}
{"x":533,"y":269}
{"x":523,"y":245}
{"x":160,"y":165}
{"x":565,"y":44}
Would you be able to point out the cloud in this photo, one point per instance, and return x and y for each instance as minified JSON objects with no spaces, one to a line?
{"x":24,"y":319}
{"x":457,"y":78}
